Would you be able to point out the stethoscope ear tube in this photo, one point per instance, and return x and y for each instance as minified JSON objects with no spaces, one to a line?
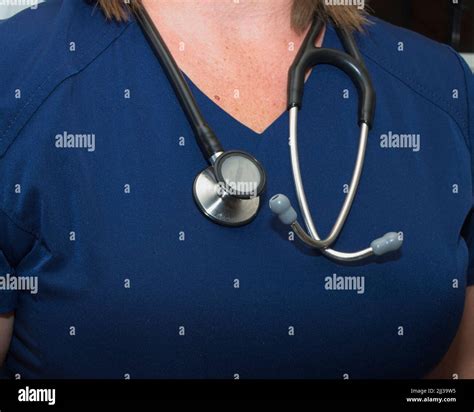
{"x":207,"y":140}
{"x":310,"y":56}
{"x":220,"y":191}
{"x":352,"y":64}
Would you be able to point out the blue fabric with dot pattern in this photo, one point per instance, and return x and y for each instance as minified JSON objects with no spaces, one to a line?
{"x":133,"y":282}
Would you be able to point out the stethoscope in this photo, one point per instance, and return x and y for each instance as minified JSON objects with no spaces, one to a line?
{"x":229,"y":191}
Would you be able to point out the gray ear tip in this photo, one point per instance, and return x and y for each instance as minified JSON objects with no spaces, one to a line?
{"x":390,"y":242}
{"x":395,"y":238}
{"x":279,"y":204}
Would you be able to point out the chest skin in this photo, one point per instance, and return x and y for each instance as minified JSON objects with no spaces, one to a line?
{"x":226,"y":59}
{"x":153,"y":289}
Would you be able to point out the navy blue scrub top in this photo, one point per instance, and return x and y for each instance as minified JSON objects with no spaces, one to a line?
{"x":133,"y":282}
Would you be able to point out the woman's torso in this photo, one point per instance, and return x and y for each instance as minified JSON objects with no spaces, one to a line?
{"x":135,"y":282}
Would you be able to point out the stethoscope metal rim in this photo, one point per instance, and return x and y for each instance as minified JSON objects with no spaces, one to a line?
{"x":219,"y":207}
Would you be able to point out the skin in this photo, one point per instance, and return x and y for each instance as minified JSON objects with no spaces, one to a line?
{"x":229,"y":48}
{"x":245,"y":46}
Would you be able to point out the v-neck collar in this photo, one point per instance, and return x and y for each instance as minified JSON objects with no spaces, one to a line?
{"x":208,"y":106}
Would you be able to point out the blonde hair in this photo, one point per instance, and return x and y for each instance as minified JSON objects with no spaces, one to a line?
{"x":348,"y":17}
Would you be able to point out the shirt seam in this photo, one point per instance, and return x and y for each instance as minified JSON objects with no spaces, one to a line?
{"x":423,"y":92}
{"x":19,"y":223}
{"x":40,"y":87}
{"x":468,"y":101}
{"x":45,"y":81}
{"x":8,"y":212}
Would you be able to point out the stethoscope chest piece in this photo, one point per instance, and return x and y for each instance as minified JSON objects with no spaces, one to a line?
{"x":220,"y":207}
{"x":228,"y":192}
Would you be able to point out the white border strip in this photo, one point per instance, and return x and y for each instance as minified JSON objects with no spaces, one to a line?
{"x":8,"y":8}
{"x":469,"y":57}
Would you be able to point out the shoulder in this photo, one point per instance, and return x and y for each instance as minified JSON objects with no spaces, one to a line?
{"x":41,"y":47}
{"x":23,"y":38}
{"x":430,"y":69}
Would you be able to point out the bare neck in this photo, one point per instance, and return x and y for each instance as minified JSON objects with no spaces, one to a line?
{"x":241,"y":20}
{"x":237,"y":52}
